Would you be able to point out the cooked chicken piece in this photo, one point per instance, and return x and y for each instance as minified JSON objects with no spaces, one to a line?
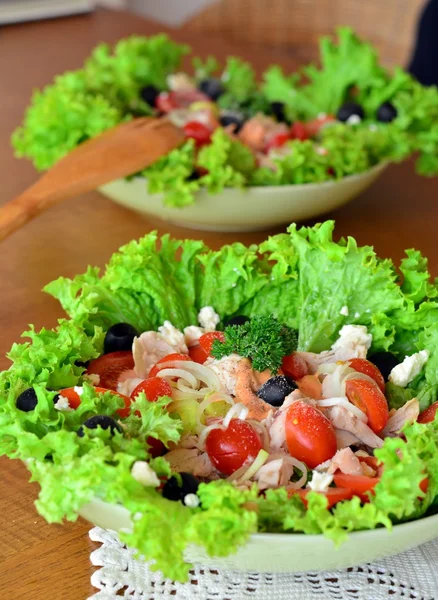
{"x":345,"y":439}
{"x":190,"y":461}
{"x":259,"y":130}
{"x":342,"y":418}
{"x":151,"y":346}
{"x":274,"y":474}
{"x":226,"y":369}
{"x":127,"y":382}
{"x":408,"y":413}
{"x":345,"y":460}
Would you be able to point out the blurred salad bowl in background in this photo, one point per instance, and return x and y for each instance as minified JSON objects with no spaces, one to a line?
{"x":300,"y":136}
{"x":273,"y":398}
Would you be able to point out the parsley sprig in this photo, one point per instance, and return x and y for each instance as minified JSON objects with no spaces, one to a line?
{"x":262,"y":339}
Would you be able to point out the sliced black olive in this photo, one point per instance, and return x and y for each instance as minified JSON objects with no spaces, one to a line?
{"x":27,"y":400}
{"x":99,"y":421}
{"x":386,"y":112}
{"x":212,"y":87}
{"x":278,"y":111}
{"x":385,"y":362}
{"x":119,"y":337}
{"x":174,"y":490}
{"x":149,"y":94}
{"x":349,"y":109}
{"x":232,"y":118}
{"x":237,"y":320}
{"x":275,"y":390}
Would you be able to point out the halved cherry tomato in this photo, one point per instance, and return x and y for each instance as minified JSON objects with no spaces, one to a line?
{"x":294,"y":366}
{"x":74,"y":399}
{"x":206,"y":341}
{"x":277,"y":141}
{"x":310,"y":386}
{"x":154,"y":388}
{"x":168,"y":101}
{"x":424,"y":485}
{"x":298,"y":131}
{"x":428,"y":415}
{"x":367,"y":368}
{"x":310,"y":436}
{"x":110,"y":366}
{"x":313,"y":127}
{"x":229,"y":448}
{"x":333,"y":495}
{"x":367,"y":396}
{"x":360,"y":485}
{"x":198,"y":354}
{"x":197,"y":131}
{"x":169,"y":358}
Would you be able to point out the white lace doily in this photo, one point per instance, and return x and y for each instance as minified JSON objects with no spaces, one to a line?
{"x":412,"y":575}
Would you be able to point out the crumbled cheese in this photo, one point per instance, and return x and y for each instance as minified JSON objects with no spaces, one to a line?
{"x":344,"y":311}
{"x":208,"y":318}
{"x":93,"y":378}
{"x":180,"y":82}
{"x":406,"y":371}
{"x":191,"y":500}
{"x":173,"y":336}
{"x":79,"y":390}
{"x":320,"y":481}
{"x":192,"y":333}
{"x":355,"y":337}
{"x":142,"y":473}
{"x":62,"y":404}
{"x":353,"y":120}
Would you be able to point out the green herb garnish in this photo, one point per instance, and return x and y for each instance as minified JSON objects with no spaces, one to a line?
{"x":262,"y":339}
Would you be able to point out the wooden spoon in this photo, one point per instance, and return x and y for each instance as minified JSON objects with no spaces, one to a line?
{"x":118,"y":152}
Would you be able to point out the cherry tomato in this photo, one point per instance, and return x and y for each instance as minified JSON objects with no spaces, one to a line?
{"x":367,"y":368}
{"x":313,"y":127}
{"x":310,"y":436}
{"x":110,"y":366}
{"x":74,"y":399}
{"x":168,"y":101}
{"x":206,"y":341}
{"x":360,"y":485}
{"x":198,"y":354}
{"x":333,"y":495}
{"x":428,"y":415}
{"x":294,"y":366}
{"x":277,"y":141}
{"x":198,"y":132}
{"x":367,"y":396}
{"x":169,"y":358}
{"x":157,"y":448}
{"x":424,"y":485}
{"x":298,"y":131}
{"x":229,"y":448}
{"x":154,"y":388}
{"x":310,"y":386}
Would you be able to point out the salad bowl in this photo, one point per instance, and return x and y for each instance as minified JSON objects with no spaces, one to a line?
{"x":248,"y":209}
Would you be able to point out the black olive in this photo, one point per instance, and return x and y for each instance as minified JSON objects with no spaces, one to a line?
{"x":212,"y":87}
{"x":349,"y":109}
{"x":27,"y":400}
{"x":149,"y":94}
{"x":275,"y":390}
{"x":232,"y":118}
{"x":385,"y":362}
{"x":174,"y":490}
{"x":119,"y":337}
{"x":81,"y":363}
{"x":99,"y":420}
{"x":278,"y":111}
{"x":237,"y":320}
{"x":194,"y":176}
{"x":386,"y":112}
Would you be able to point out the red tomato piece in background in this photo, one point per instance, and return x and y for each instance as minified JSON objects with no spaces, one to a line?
{"x":199,"y":132}
{"x":313,"y":127}
{"x":74,"y":399}
{"x":294,"y":366}
{"x":154,"y":388}
{"x":370,"y":400}
{"x":110,"y":366}
{"x":298,"y":131}
{"x":367,"y":368}
{"x":310,"y":436}
{"x":360,"y":485}
{"x":277,"y":141}
{"x":206,"y":341}
{"x":198,"y":354}
{"x":169,"y":358}
{"x":333,"y":495}
{"x":428,"y":415}
{"x":229,"y":448}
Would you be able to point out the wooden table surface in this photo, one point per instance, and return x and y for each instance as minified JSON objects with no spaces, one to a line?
{"x":42,"y":561}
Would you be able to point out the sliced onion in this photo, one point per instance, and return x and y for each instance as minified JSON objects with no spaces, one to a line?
{"x":211,"y":399}
{"x":201,"y":372}
{"x":332,"y":384}
{"x":237,"y":411}
{"x":346,"y":404}
{"x":296,"y":485}
{"x":245,"y":472}
{"x":181,"y":373}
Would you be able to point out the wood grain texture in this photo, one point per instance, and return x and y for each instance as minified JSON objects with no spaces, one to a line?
{"x":42,"y":561}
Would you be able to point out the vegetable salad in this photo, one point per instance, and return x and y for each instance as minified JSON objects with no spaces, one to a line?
{"x":323,"y":123}
{"x":286,"y":387}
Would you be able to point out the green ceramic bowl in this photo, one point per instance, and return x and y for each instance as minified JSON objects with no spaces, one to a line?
{"x":252,"y":209}
{"x":290,"y":553}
